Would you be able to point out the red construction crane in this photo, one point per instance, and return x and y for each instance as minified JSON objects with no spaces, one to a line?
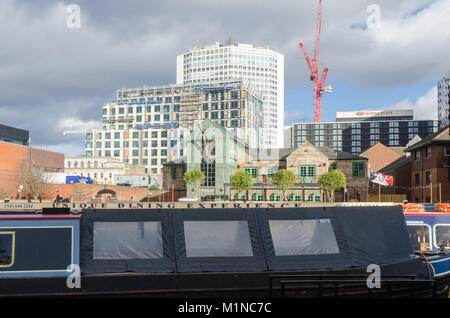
{"x":313,"y":66}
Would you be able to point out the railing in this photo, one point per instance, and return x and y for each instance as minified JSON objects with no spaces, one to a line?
{"x":347,"y":285}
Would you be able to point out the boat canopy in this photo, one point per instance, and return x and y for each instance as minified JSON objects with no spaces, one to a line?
{"x":242,"y":240}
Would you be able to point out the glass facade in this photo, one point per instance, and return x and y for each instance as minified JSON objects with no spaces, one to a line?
{"x":357,"y":137}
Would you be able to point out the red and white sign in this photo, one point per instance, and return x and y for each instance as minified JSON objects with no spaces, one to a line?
{"x":375,"y":113}
{"x":380,"y":178}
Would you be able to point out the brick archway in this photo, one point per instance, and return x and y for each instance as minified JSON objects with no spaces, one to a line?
{"x":105,"y":195}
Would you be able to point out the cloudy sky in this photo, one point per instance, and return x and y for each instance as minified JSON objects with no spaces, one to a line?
{"x":53,"y":77}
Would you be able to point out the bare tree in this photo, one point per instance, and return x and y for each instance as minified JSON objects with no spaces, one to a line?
{"x":35,"y":181}
{"x":79,"y":193}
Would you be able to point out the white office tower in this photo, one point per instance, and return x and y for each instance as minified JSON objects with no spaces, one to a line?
{"x":258,"y":65}
{"x":444,"y":101}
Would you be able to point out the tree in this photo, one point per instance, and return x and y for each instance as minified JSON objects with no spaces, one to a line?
{"x":79,"y":193}
{"x":285,"y":179}
{"x":35,"y":182}
{"x":242,"y":181}
{"x":194,"y":178}
{"x":331,"y":181}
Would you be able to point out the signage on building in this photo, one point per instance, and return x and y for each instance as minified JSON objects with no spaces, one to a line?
{"x":380,"y":178}
{"x":374,"y":113}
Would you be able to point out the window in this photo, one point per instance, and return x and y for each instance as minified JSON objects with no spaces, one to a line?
{"x":428,"y":154}
{"x":417,"y":178}
{"x":428,"y":177}
{"x":257,"y":197}
{"x":127,"y":240}
{"x":442,"y":234}
{"x":303,"y":237}
{"x":173,"y":173}
{"x":358,"y":169}
{"x":294,"y":197}
{"x":275,"y":197}
{"x":252,"y":171}
{"x":7,"y":243}
{"x":307,"y":171}
{"x":333,"y":166}
{"x":217,"y":239}
{"x":415,"y":232}
{"x":209,"y":170}
{"x":313,"y":197}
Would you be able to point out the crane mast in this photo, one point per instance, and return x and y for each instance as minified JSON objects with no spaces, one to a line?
{"x":313,"y":66}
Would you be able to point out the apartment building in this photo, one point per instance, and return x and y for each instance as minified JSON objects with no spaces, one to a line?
{"x":355,"y":132}
{"x":258,"y":65}
{"x":146,"y":126}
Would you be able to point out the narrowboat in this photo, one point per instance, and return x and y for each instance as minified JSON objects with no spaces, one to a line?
{"x":429,"y":230}
{"x":310,"y":251}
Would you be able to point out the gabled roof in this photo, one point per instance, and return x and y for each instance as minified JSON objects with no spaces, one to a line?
{"x":441,"y":136}
{"x":398,"y":150}
{"x":334,"y":154}
{"x":394,"y":165}
{"x":283,"y":153}
{"x":177,"y":161}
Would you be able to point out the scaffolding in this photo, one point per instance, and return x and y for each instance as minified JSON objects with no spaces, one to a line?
{"x":190,"y":109}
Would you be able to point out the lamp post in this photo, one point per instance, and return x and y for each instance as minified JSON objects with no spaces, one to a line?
{"x":19,"y":191}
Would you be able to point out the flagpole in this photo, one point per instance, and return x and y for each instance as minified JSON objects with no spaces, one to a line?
{"x":379,"y":192}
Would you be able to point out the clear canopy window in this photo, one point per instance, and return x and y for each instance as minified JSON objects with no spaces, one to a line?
{"x":217,"y":239}
{"x":442,"y":235}
{"x":418,"y":233}
{"x":303,"y":237}
{"x":127,"y":240}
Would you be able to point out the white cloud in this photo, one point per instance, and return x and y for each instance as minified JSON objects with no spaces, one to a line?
{"x":425,"y":107}
{"x":294,"y":117}
{"x":78,"y":124}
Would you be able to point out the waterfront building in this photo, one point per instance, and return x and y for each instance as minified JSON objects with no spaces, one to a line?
{"x":146,"y":126}
{"x":103,"y":170}
{"x":430,"y":165}
{"x":18,"y":162}
{"x":230,"y":154}
{"x":258,"y":65}
{"x":355,"y":132}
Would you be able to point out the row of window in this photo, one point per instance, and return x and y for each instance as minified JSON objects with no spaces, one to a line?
{"x":134,"y":143}
{"x":307,"y":172}
{"x":135,"y":134}
{"x":277,"y":197}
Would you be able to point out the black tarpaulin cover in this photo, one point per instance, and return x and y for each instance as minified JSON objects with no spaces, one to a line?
{"x":117,"y":240}
{"x":205,"y":240}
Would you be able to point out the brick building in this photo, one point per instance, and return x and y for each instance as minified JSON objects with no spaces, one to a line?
{"x":16,"y":160}
{"x":380,"y":155}
{"x":307,"y":162}
{"x":430,"y":168}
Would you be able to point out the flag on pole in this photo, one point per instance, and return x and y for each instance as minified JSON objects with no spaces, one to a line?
{"x":380,"y":178}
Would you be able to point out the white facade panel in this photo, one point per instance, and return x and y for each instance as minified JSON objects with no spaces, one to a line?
{"x":258,"y":65}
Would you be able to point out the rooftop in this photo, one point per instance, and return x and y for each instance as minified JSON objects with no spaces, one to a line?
{"x":441,"y":136}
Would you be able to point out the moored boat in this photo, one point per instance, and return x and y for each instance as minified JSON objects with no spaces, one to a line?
{"x":260,"y":252}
